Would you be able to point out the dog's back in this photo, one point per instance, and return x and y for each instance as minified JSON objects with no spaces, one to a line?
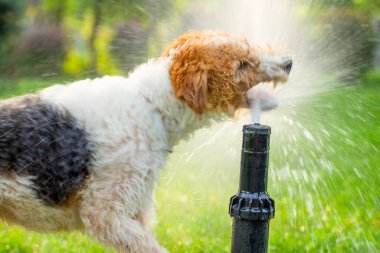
{"x":44,"y":144}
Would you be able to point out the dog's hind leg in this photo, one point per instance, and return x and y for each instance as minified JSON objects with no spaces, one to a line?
{"x":109,"y":206}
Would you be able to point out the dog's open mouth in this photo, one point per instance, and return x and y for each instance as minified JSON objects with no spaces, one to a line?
{"x":264,"y":95}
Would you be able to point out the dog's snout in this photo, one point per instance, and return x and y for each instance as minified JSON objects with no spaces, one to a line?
{"x":288,"y":66}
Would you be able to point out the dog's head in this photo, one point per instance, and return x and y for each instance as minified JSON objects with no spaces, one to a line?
{"x":213,"y":71}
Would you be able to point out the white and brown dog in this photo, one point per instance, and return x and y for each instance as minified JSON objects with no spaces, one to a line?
{"x":87,"y":155}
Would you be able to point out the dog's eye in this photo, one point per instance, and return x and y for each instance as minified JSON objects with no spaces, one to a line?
{"x":243,"y":65}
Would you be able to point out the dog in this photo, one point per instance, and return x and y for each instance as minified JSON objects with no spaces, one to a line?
{"x":86,"y":155}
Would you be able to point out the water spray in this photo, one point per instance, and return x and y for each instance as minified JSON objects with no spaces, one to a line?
{"x":261,"y":99}
{"x":252,"y":207}
{"x":256,"y":111}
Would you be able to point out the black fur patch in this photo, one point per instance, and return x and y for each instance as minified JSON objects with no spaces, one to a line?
{"x":41,"y":141}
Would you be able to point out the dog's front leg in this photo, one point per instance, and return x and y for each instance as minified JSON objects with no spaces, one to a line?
{"x":109,"y":208}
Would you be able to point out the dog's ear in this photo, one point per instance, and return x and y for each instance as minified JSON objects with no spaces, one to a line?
{"x":193,"y":90}
{"x":189,"y":77}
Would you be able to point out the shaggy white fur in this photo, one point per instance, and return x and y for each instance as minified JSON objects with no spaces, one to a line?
{"x":134,"y":123}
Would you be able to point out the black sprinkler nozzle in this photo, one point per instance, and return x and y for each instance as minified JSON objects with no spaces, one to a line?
{"x":252,"y":207}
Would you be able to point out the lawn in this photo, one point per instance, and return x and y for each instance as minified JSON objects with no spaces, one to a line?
{"x":325,"y":177}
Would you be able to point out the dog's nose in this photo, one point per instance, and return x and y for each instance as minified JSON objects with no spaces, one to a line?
{"x":288,"y":66}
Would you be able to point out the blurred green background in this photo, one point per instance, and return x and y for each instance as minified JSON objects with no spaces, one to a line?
{"x":325,"y":157}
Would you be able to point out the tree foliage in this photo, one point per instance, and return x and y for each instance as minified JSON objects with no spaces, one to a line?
{"x":10,"y":12}
{"x":350,"y":38}
{"x":367,"y":6}
{"x":100,"y":36}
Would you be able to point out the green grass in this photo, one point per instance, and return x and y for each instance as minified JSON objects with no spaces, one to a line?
{"x":325,"y":176}
{"x":9,"y":87}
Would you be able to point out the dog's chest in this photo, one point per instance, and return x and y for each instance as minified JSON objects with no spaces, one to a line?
{"x":138,"y":148}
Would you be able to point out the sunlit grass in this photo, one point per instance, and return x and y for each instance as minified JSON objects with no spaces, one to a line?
{"x":324,"y":175}
{"x":325,"y":158}
{"x":10,"y":87}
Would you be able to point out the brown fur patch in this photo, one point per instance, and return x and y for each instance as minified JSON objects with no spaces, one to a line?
{"x":212,"y":71}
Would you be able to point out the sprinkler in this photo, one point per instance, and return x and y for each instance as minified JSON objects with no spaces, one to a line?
{"x":252,"y":207}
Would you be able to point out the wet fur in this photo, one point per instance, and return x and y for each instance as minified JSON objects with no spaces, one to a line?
{"x":87,"y":155}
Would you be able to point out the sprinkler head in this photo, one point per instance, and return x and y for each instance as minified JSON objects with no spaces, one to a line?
{"x":255,"y":158}
{"x":252,"y":207}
